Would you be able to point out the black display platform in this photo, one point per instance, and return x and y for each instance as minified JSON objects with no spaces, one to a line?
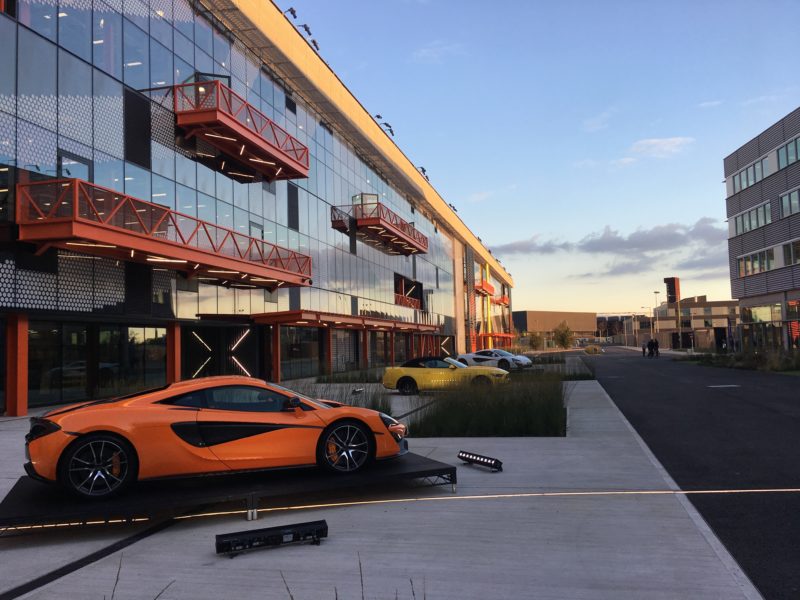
{"x":34,"y":505}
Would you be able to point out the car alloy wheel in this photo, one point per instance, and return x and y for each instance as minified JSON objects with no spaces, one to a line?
{"x":407,"y":386}
{"x":97,"y":466}
{"x":346,"y":447}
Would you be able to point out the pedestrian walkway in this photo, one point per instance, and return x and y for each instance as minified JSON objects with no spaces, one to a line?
{"x":558,"y":522}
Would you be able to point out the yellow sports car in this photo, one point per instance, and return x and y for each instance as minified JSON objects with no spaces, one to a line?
{"x":437,"y":373}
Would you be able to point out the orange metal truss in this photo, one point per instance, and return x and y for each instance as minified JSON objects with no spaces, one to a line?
{"x":500,"y":340}
{"x":484,"y":288}
{"x":247,"y":137}
{"x":321,"y":319}
{"x":501,"y":300}
{"x":377,"y":224}
{"x":86,"y":218}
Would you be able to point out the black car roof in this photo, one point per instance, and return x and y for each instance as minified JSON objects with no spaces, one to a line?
{"x":415,"y":362}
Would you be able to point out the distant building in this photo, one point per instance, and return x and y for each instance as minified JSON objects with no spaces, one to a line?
{"x":543,"y":322}
{"x":704,"y":324}
{"x":762,"y":181}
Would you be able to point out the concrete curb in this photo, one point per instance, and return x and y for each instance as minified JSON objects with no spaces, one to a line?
{"x":743,"y":581}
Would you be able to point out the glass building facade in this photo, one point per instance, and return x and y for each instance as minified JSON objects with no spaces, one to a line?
{"x":82,"y":97}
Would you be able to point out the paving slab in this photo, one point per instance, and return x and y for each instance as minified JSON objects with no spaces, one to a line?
{"x":545,"y":527}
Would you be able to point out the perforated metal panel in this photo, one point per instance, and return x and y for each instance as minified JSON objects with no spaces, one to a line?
{"x":75,"y":279}
{"x":36,"y":290}
{"x":109,"y":284}
{"x":8,"y":296}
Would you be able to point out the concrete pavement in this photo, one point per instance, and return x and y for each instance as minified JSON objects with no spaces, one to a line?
{"x":538,"y":529}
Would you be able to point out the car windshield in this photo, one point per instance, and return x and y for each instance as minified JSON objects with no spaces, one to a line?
{"x":504,"y":353}
{"x":455,"y":363}
{"x":314,"y":401}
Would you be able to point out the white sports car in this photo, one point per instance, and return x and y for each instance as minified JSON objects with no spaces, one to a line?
{"x":496,"y":358}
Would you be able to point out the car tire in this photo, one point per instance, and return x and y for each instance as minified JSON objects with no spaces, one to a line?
{"x":481,"y":383}
{"x":98,"y":466}
{"x":463,"y":361}
{"x":345,"y":447}
{"x":503,"y":364}
{"x":407,"y":386}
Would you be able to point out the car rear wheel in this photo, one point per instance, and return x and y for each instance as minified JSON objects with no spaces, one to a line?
{"x":482,"y":383}
{"x":98,"y":465}
{"x":345,"y":447}
{"x":407,"y":386}
{"x":503,"y":364}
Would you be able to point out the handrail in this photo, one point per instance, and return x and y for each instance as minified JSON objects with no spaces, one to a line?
{"x":214,"y":95}
{"x":378,"y":210}
{"x":62,"y":200}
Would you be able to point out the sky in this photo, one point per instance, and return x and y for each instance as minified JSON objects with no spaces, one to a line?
{"x":582,"y":141}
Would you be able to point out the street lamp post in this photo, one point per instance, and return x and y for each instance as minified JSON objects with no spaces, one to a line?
{"x":655,"y":318}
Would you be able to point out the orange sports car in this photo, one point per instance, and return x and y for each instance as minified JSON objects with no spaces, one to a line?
{"x":208,"y":425}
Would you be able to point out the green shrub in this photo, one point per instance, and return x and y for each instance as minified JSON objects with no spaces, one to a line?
{"x":532,"y":407}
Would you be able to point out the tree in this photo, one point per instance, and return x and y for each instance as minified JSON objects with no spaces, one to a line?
{"x":562,"y":335}
{"x":536,"y":341}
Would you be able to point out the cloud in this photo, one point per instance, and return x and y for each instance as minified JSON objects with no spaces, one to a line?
{"x":688,"y":247}
{"x":765,"y":99}
{"x":598,"y":122}
{"x":585,"y":163}
{"x":710,"y":104}
{"x":623,"y":162}
{"x":435,"y":52}
{"x":531,"y":246}
{"x":661,"y":147}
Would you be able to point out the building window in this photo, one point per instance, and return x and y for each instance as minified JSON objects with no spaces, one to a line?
{"x":750,"y":175}
{"x":757,"y":262}
{"x":790,"y":203}
{"x":753,"y":218}
{"x":791,"y":253}
{"x":788,"y":154}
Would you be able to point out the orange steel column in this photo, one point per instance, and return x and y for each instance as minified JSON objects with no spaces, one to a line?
{"x":391,"y":348}
{"x":276,"y":353}
{"x":173,"y":352}
{"x":17,"y":365}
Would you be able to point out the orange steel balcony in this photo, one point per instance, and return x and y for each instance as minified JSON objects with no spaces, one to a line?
{"x":248,"y":139}
{"x":501,"y":300}
{"x":484,"y":288}
{"x":403,"y":300}
{"x":378,"y":225}
{"x":86,"y":218}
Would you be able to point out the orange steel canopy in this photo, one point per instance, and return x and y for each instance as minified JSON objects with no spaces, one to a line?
{"x":76,"y":215}
{"x":250,"y":142}
{"x":321,"y":319}
{"x":378,"y":225}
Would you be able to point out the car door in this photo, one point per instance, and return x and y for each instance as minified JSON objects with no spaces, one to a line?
{"x":485,"y":358}
{"x":438,"y":373}
{"x":250,"y":427}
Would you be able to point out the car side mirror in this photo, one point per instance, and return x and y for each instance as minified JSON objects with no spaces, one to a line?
{"x":293,"y":402}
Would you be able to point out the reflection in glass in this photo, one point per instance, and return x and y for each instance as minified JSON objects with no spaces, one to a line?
{"x":8,"y":66}
{"x":161,"y":72}
{"x":107,"y":40}
{"x":75,"y":27}
{"x":74,"y":98}
{"x":36,"y":69}
{"x":135,"y":57}
{"x":39,"y":15}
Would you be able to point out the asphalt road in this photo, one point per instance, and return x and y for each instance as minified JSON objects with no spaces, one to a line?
{"x":740,"y":437}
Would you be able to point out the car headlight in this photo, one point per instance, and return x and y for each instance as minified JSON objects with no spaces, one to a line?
{"x":395,"y":427}
{"x":40,"y":428}
{"x":499,"y":374}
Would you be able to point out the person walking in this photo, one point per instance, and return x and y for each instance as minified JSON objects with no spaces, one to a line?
{"x":655,"y":347}
{"x":644,"y":349}
{"x":650,"y":348}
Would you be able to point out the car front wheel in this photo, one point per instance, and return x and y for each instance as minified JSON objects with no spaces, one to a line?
{"x":345,"y":447}
{"x":481,"y":383}
{"x":98,"y":466}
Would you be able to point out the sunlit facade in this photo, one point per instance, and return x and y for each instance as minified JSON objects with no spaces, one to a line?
{"x":763,"y":207}
{"x":175,"y":204}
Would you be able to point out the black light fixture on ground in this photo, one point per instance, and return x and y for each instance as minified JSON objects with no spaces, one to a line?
{"x":495,"y":464}
{"x":244,"y":541}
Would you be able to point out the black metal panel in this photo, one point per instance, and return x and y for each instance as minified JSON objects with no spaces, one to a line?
{"x":771,"y":138}
{"x":794,"y":226}
{"x":138,"y":288}
{"x":137,"y":129}
{"x":776,"y":232}
{"x":755,"y":284}
{"x":737,"y":288}
{"x":748,"y":153}
{"x":753,"y":240}
{"x":773,"y":186}
{"x":293,"y":210}
{"x":730,"y":164}
{"x":750,"y":197}
{"x":294,"y":298}
{"x":779,"y":280}
{"x":796,"y":275}
{"x":792,"y":176}
{"x":732,"y":206}
{"x":791,"y":125}
{"x":735,"y":246}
